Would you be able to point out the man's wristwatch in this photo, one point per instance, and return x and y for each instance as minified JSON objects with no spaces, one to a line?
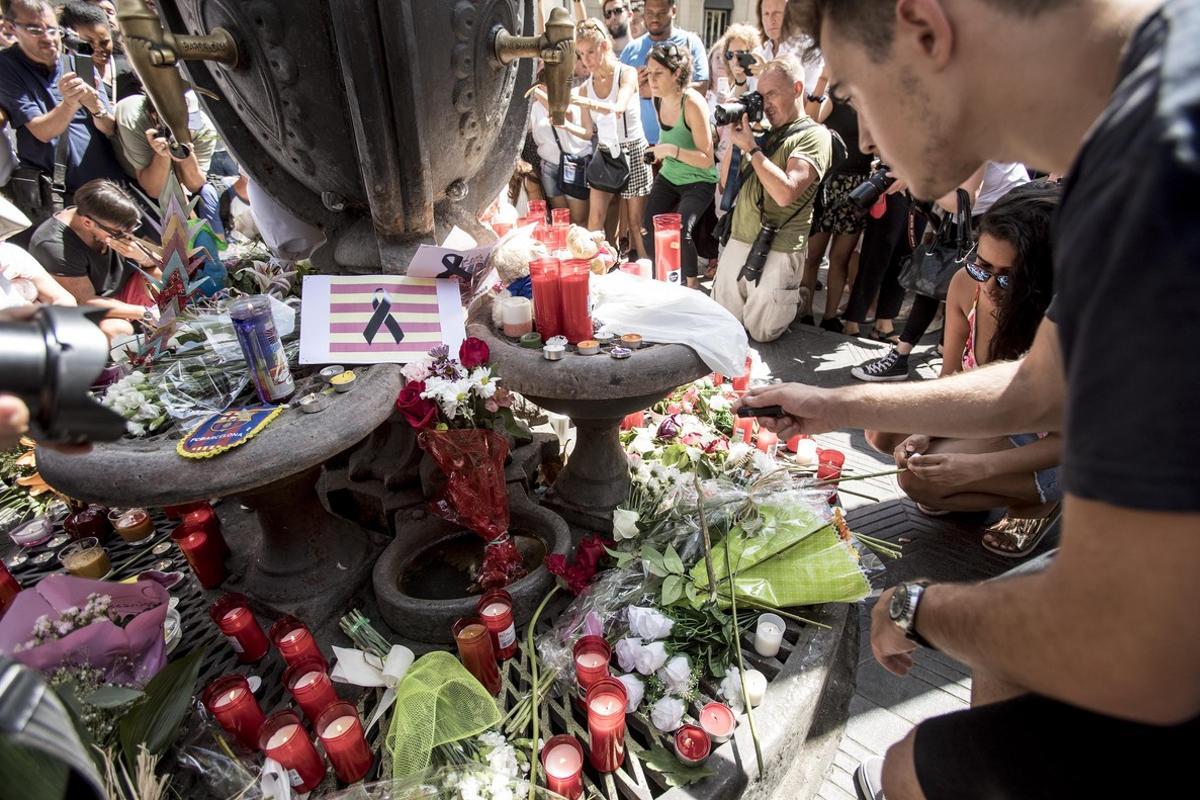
{"x":903,"y":610}
{"x":753,"y":150}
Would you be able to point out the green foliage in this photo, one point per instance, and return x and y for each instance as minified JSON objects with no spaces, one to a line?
{"x":664,"y":762}
{"x":155,"y":719}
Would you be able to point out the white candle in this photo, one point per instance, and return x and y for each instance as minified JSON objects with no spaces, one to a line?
{"x":768,"y":636}
{"x":756,"y":687}
{"x":806,"y":452}
{"x":307,"y":679}
{"x":590,"y":660}
{"x":229,"y":697}
{"x":281,"y":736}
{"x":341,"y":725}
{"x":607,"y":704}
{"x":292,"y":637}
{"x":495,"y":609}
{"x":563,"y":762}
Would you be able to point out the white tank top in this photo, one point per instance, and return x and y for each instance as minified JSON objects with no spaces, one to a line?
{"x":631,"y":129}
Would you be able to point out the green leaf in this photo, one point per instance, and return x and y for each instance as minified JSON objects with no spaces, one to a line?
{"x":155,"y":720}
{"x":623,"y":558}
{"x":654,"y":562}
{"x":672,"y":589}
{"x":672,"y":561}
{"x":112,"y":696}
{"x":664,"y":762}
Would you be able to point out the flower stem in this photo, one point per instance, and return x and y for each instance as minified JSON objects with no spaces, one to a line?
{"x":737,"y":647}
{"x":862,"y":477}
{"x":533,"y":690}
{"x":708,"y":562}
{"x":779,"y":611}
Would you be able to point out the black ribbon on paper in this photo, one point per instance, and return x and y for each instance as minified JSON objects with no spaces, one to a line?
{"x":382,"y":304}
{"x":453,"y":267}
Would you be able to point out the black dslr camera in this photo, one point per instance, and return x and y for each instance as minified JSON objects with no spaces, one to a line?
{"x":756,"y":259}
{"x":867,"y":193}
{"x":750,"y":104}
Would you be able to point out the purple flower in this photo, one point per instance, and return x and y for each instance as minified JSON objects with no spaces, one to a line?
{"x":668,"y":429}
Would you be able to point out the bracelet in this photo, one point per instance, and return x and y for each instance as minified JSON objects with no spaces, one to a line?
{"x":753,"y":150}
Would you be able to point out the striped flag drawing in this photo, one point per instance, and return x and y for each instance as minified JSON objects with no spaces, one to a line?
{"x":355,"y":301}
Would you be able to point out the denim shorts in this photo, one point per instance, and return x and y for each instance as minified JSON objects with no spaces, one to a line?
{"x":1046,"y":479}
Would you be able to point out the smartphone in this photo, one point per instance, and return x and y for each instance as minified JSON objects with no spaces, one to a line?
{"x":85,"y":68}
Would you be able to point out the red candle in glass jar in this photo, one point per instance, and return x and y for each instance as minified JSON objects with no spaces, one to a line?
{"x":574,"y":279}
{"x":718,"y":379}
{"x":232,"y":704}
{"x":743,"y":428}
{"x":9,"y":589}
{"x":202,"y":555}
{"x":829,"y":464}
{"x":295,"y":642}
{"x":606,"y":724}
{"x":341,"y":733}
{"x":592,"y":657}
{"x":283,"y":738}
{"x":232,"y":615}
{"x":667,"y":257}
{"x":718,"y":721}
{"x":537,"y":208}
{"x":310,"y":685}
{"x":562,"y":763}
{"x":767,"y":441}
{"x":496,"y":610}
{"x":476,"y":653}
{"x":692,"y":746}
{"x":634,"y":420}
{"x":204,"y":518}
{"x":560,"y":216}
{"x":547,"y":304}
{"x":176,"y":512}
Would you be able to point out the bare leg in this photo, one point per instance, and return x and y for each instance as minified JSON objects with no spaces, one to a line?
{"x":635,"y":211}
{"x":114,"y":327}
{"x":598,"y":213}
{"x":986,"y":688}
{"x":579,"y":210}
{"x":817,"y":243}
{"x":900,"y":771}
{"x":839,"y":265}
{"x":885,"y":443}
{"x":557,"y":202}
{"x":1001,"y":491}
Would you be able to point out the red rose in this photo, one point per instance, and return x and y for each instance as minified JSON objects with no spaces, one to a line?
{"x":419,"y":412}
{"x":473,"y":353}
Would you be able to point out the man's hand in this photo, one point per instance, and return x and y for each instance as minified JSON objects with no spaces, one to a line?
{"x":741,"y":135}
{"x":76,"y":90}
{"x":126,"y":248}
{"x":14,"y":420}
{"x":917,"y":443}
{"x":948,"y":469}
{"x":158,"y":143}
{"x":806,"y":409}
{"x":643,"y":82}
{"x":893,"y":650}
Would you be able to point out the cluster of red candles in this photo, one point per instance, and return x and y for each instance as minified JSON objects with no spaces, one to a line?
{"x":198,"y":535}
{"x":560,"y":298}
{"x":484,"y":640}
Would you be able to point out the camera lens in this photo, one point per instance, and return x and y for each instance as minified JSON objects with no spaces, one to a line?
{"x":648,"y":157}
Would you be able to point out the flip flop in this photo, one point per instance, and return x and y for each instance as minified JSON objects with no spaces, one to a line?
{"x":1022,"y":535}
{"x":890,"y":337}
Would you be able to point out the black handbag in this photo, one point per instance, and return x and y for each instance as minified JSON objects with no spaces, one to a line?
{"x":607,"y":172}
{"x":571,"y":178}
{"x":941,"y":252}
{"x":40,"y":196}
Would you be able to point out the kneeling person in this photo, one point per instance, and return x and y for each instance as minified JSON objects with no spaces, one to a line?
{"x":780,"y":180}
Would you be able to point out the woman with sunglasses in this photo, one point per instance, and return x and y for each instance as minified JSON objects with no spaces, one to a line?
{"x":993,"y":310}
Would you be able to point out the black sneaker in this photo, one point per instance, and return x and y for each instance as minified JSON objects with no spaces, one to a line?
{"x":833,"y":325}
{"x":807,"y":319}
{"x":892,"y":367}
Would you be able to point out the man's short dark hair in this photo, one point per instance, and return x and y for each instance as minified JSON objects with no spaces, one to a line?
{"x":870,"y":21}
{"x":30,"y":8}
{"x":82,"y":15}
{"x":106,"y":201}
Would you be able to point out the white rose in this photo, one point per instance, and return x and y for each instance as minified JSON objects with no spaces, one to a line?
{"x":643,"y":442}
{"x":676,"y":675}
{"x":625,"y":524}
{"x":731,"y":689}
{"x":627,"y":653}
{"x":651,"y":658}
{"x":635,"y":690}
{"x":667,"y":714}
{"x":649,"y":624}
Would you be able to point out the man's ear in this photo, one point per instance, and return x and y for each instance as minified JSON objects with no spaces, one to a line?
{"x":923,"y":25}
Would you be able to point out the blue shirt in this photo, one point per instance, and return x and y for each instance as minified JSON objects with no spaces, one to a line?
{"x":28,"y":90}
{"x":637,"y":52}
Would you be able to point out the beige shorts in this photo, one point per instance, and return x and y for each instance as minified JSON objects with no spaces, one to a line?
{"x":768,"y":307}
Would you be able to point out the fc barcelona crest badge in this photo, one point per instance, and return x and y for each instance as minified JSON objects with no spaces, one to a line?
{"x":225,"y":431}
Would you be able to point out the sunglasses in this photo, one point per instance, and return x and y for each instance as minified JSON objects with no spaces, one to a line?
{"x":730,"y":55}
{"x":38,"y":30}
{"x":115,"y":233}
{"x":614,"y":12}
{"x":985,"y":272}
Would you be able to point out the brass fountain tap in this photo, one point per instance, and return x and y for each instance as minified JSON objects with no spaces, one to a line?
{"x":556,"y":48}
{"x":154,"y":53}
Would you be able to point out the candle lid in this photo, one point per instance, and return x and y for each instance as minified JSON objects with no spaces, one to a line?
{"x":531,"y":340}
{"x":557,"y":340}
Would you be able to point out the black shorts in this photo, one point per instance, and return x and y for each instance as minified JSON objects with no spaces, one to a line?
{"x":1032,"y":747}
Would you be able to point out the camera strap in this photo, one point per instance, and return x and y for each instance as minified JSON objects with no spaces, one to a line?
{"x":795,"y":127}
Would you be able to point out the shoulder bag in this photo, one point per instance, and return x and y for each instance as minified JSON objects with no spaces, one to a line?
{"x":571,"y":177}
{"x":607,"y":172}
{"x":940,"y":253}
{"x":38,"y":195}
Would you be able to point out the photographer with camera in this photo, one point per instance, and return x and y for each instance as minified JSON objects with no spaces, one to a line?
{"x":758,"y":275}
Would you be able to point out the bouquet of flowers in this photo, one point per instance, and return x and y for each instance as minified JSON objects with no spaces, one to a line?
{"x":134,"y":398}
{"x":97,"y":607}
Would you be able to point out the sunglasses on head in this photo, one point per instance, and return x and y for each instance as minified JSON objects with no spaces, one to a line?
{"x":613,"y":12}
{"x":983,"y":272}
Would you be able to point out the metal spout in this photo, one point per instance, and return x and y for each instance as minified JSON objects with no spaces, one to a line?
{"x":154,"y":52}
{"x":556,"y":48}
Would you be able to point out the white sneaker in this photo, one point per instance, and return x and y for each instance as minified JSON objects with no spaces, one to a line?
{"x":868,"y":779}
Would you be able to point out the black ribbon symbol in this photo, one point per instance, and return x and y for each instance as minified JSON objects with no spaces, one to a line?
{"x":453,"y":267}
{"x":382,"y":316}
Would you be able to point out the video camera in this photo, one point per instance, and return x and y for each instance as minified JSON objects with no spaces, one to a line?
{"x":867,"y":193}
{"x":50,"y":361}
{"x":750,"y":104}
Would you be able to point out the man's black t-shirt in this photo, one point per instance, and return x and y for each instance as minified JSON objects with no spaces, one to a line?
{"x":60,"y":250}
{"x":1127,"y":279}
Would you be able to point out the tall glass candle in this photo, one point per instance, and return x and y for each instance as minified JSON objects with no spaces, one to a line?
{"x":496,"y":611}
{"x":606,"y":724}
{"x":743,"y":428}
{"x":9,"y":589}
{"x":204,"y":518}
{"x":592,"y":657}
{"x":283,"y":738}
{"x":741,"y":382}
{"x":232,"y":704}
{"x":476,"y":653}
{"x":767,"y":441}
{"x":666,"y":247}
{"x":537,"y":208}
{"x":560,"y":216}
{"x":310,"y":685}
{"x":202,"y":555}
{"x":341,"y":733}
{"x":562,"y":762}
{"x":768,"y":635}
{"x":574,"y":277}
{"x":232,"y":615}
{"x":547,"y":304}
{"x":718,"y":721}
{"x":295,"y":642}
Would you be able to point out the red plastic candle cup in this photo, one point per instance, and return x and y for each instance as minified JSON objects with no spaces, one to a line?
{"x":203,"y":556}
{"x":537,"y":208}
{"x":718,"y":722}
{"x":9,"y":589}
{"x":560,"y":216}
{"x":829,"y":464}
{"x":310,"y":685}
{"x":634,"y":420}
{"x":592,"y":656}
{"x":562,"y":763}
{"x":718,"y":379}
{"x":232,"y":704}
{"x":283,"y":738}
{"x":574,"y":277}
{"x":793,"y":444}
{"x":202,"y":517}
{"x":743,"y":428}
{"x":295,"y":642}
{"x":767,"y":441}
{"x":667,"y":257}
{"x":740,"y":383}
{"x":606,"y":724}
{"x":476,"y":653}
{"x":232,"y":615}
{"x":501,"y":228}
{"x":692,"y":746}
{"x":496,"y":610}
{"x":547,"y":304}
{"x":341,"y":732}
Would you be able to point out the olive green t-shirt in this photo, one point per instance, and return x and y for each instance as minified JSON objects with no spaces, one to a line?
{"x":803,"y":139}
{"x":132,"y":117}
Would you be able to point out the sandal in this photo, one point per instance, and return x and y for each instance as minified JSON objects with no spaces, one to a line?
{"x":1017,"y":538}
{"x":887,"y":337}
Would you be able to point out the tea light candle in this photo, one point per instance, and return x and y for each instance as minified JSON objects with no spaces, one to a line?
{"x":718,"y":721}
{"x":606,"y":724}
{"x":496,"y":610}
{"x":557,"y":340}
{"x":516,"y":315}
{"x":806,"y":452}
{"x":476,"y":653}
{"x":605,"y":338}
{"x":756,"y":687}
{"x":295,"y":642}
{"x":331,"y":372}
{"x":631,"y":340}
{"x":232,"y":704}
{"x":531,"y":340}
{"x":692,"y":746}
{"x":553,"y":352}
{"x":743,"y":427}
{"x":562,"y":761}
{"x":341,"y":733}
{"x":313,"y":403}
{"x":284,"y":739}
{"x":592,"y":657}
{"x":232,"y":615}
{"x":588,"y":347}
{"x":343,"y":382}
{"x":768,"y":442}
{"x":620,"y":352}
{"x":310,"y":685}
{"x":768,"y":635}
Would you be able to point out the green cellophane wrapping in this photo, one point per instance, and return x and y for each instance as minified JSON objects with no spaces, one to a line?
{"x":796,"y":558}
{"x":437,"y":703}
